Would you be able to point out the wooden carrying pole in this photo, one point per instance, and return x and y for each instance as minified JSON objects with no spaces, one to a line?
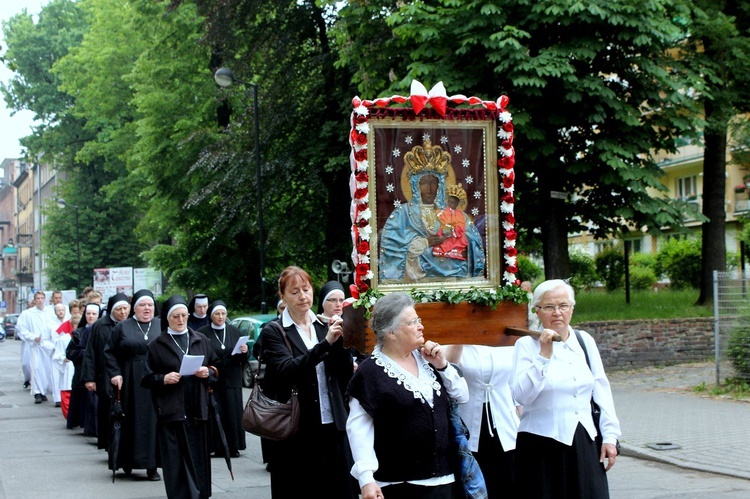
{"x":463,"y":323}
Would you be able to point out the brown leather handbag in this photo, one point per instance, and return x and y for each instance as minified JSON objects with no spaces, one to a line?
{"x":269,"y":418}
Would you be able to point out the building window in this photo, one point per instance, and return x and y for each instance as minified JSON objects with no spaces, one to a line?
{"x":687,"y":187}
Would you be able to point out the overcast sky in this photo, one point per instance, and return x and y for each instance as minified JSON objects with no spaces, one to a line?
{"x":14,"y":127}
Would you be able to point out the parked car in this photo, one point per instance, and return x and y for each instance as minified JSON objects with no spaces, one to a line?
{"x":250,"y":326}
{"x":9,"y":325}
{"x":2,"y":334}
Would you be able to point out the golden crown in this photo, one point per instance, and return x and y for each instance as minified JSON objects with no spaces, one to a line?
{"x":427,"y":158}
{"x":456,"y":190}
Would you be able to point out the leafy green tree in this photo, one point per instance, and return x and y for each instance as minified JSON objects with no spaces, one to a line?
{"x":593,"y":88}
{"x":719,"y":47}
{"x":681,"y":261}
{"x":582,"y":270}
{"x":610,"y":265}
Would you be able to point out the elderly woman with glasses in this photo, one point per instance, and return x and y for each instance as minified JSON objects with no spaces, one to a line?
{"x":555,"y":377}
{"x":399,"y":420}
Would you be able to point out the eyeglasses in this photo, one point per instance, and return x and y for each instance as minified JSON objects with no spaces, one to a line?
{"x":335,"y":300}
{"x":548,"y":309}
{"x":412,"y":322}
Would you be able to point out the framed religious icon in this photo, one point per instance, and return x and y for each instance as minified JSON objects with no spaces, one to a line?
{"x":432,"y":192}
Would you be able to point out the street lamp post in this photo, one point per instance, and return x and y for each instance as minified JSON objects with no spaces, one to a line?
{"x":62,"y":204}
{"x":224,"y":78}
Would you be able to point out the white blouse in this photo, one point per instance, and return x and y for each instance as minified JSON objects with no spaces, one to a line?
{"x":556,"y":392}
{"x":487,"y":371}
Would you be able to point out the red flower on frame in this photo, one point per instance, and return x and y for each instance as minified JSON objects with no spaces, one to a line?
{"x":360,"y":155}
{"x":360,"y":193}
{"x":363,"y":223}
{"x":506,"y":162}
{"x":354,"y":291}
{"x":362,"y":177}
{"x":362,"y":269}
{"x":510,"y":235}
{"x":359,"y":119}
{"x":511,"y":251}
{"x":510,"y":218}
{"x":361,"y":138}
{"x":363,"y":247}
{"x":513,"y":269}
{"x":508,"y":181}
{"x":508,"y":198}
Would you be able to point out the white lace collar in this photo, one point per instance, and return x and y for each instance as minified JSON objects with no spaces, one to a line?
{"x":419,"y":387}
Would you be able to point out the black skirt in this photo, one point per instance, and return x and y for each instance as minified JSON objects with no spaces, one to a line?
{"x":548,"y":469}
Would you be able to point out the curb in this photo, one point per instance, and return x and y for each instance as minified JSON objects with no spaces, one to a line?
{"x":657,"y":456}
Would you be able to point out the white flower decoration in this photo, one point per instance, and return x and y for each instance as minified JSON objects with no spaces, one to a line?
{"x":504,"y":117}
{"x":361,"y":185}
{"x":477,"y":194}
{"x":469,"y":179}
{"x":425,"y":137}
{"x":364,"y":232}
{"x":365,"y":214}
{"x":457,"y":149}
{"x":506,"y":207}
{"x":397,"y":153}
{"x":510,"y":260}
{"x":509,"y":277}
{"x":475,"y":211}
{"x":502,"y":134}
{"x":361,"y":110}
{"x":466,"y":163}
{"x":397,"y":204}
{"x":369,"y":275}
{"x":363,"y":128}
{"x":408,"y":139}
{"x":364,"y":258}
{"x":444,"y":139}
{"x":389,"y":169}
{"x":390,"y":188}
{"x":507,"y":225}
{"x":361,"y":166}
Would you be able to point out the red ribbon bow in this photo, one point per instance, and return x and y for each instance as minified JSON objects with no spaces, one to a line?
{"x":437,"y":97}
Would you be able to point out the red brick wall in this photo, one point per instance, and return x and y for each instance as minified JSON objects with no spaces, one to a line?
{"x":641,"y":343}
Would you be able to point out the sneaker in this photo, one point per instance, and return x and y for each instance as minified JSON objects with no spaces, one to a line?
{"x":26,"y":384}
{"x":154,"y":476}
{"x":37,"y":398}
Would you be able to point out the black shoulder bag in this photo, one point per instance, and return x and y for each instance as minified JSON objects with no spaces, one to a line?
{"x":596,"y":412}
{"x":269,"y":418}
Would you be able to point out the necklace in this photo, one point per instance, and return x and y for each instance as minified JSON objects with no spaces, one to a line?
{"x":184,"y":352}
{"x":223,"y":337}
{"x":145,"y":334}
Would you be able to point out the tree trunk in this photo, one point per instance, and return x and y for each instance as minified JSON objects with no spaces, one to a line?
{"x":554,"y":235}
{"x":713,"y":249}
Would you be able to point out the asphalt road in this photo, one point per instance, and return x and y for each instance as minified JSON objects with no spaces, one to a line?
{"x":39,"y":458}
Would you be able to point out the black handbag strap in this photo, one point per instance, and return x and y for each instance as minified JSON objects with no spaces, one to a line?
{"x":286,"y":340}
{"x":583,"y":345}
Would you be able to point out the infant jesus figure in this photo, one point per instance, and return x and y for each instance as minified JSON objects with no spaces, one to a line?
{"x":452,"y":225}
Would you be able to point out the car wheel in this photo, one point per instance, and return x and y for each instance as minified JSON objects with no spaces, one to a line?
{"x":247,"y":375}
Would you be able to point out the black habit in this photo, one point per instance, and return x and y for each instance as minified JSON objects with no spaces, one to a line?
{"x":126,"y":354}
{"x":228,"y":388}
{"x":95,"y":369}
{"x":182,"y":410}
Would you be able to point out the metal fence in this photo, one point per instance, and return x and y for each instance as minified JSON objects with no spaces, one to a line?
{"x":731,"y":323}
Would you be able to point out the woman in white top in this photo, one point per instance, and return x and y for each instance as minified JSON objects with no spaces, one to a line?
{"x":556,"y":452}
{"x":490,"y":414}
{"x":399,"y":424}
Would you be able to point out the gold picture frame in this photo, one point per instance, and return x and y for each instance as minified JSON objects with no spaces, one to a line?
{"x":399,"y":151}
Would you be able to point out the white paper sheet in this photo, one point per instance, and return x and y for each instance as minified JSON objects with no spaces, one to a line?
{"x":190,"y":364}
{"x":240,"y":342}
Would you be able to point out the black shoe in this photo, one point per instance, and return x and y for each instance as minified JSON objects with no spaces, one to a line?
{"x":44,"y":398}
{"x":154,"y":476}
{"x":58,"y":404}
{"x":26,"y":384}
{"x":37,"y":399}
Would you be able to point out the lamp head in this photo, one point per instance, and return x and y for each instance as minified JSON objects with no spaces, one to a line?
{"x":61,"y":203}
{"x":224,"y":77}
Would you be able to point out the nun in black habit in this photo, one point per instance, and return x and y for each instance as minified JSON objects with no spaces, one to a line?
{"x":198,"y":315}
{"x":181,"y":402}
{"x":95,"y":363}
{"x":83,"y":404}
{"x":228,"y":388}
{"x":126,"y":354}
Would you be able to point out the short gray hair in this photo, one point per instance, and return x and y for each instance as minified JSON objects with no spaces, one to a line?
{"x":387,"y":312}
{"x":549,"y":286}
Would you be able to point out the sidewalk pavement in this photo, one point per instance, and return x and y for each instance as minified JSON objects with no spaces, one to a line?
{"x":39,"y":458}
{"x":699,"y":432}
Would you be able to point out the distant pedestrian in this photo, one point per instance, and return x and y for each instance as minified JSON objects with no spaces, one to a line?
{"x":33,"y":329}
{"x":198,"y":312}
{"x":556,"y":451}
